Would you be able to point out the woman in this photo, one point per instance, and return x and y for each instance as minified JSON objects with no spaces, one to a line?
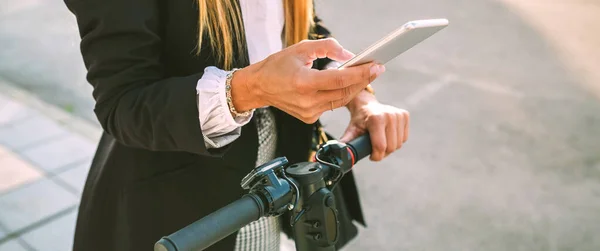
{"x":182,"y":129}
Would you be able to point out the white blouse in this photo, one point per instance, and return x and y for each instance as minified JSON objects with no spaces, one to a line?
{"x":263,"y":25}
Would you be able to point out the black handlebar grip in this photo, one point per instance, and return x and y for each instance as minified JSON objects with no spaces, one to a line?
{"x":361,"y":147}
{"x":214,"y":227}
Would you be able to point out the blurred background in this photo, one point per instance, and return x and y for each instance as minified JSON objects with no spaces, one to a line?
{"x":504,"y":151}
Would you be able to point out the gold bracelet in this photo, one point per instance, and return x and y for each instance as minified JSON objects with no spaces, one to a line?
{"x":228,"y":95}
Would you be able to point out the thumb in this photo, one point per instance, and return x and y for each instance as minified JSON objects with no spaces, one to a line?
{"x":351,"y":133}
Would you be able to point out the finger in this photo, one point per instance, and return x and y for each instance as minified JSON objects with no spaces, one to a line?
{"x":323,"y":48}
{"x":376,"y":127}
{"x":391,"y":134}
{"x":346,"y":94}
{"x":400,"y":128}
{"x":331,"y":105}
{"x":351,"y":133}
{"x":332,"y":79}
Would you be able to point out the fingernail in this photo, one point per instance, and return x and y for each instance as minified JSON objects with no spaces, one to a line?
{"x":374,"y":69}
{"x":381,"y":68}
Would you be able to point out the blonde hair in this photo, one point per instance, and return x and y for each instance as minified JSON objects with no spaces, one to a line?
{"x":221,"y":22}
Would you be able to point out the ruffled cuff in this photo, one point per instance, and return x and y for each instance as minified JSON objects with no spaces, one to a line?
{"x":219,"y":127}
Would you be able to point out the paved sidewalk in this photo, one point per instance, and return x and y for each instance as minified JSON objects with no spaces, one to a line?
{"x":45,"y":154}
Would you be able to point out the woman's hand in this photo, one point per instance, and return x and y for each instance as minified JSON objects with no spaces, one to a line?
{"x":387,"y":125}
{"x":285,"y":80}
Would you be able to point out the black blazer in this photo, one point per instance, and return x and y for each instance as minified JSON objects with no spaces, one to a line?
{"x":152,"y":174}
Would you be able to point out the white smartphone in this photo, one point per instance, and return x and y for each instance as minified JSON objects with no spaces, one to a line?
{"x":397,"y":42}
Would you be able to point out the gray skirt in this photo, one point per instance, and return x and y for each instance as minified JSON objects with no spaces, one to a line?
{"x":265,"y":233}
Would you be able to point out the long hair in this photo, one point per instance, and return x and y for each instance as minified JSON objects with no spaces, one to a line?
{"x":221,"y":22}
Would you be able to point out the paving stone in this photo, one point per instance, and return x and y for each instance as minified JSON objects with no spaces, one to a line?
{"x":25,"y":132}
{"x":12,"y":111}
{"x":3,"y":151}
{"x":76,"y":176}
{"x":60,"y":152}
{"x":15,"y":172}
{"x":55,"y":235}
{"x":12,"y":245}
{"x":31,"y":203}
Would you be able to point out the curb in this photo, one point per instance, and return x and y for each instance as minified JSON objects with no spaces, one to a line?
{"x":75,"y":124}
